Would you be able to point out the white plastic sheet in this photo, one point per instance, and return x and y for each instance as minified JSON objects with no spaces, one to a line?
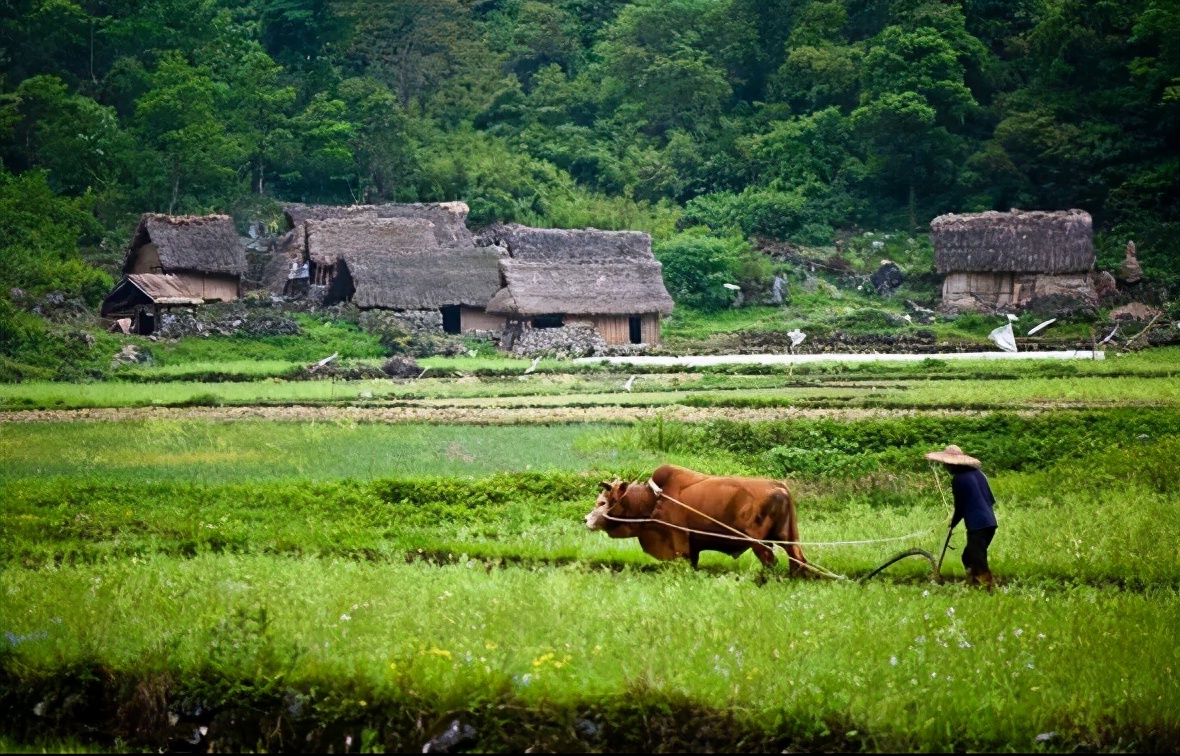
{"x":1004,"y":338}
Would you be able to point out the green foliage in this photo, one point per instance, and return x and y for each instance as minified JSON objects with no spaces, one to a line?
{"x":790,"y":461}
{"x":791,"y":120}
{"x":697,"y":267}
{"x":39,"y":237}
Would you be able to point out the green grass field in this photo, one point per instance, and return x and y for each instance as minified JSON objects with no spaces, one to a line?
{"x":1149,"y":378}
{"x":283,"y":582}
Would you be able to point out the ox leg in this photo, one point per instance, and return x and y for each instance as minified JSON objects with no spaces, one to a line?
{"x":664,"y":544}
{"x":794,"y":550}
{"x":765,"y":555}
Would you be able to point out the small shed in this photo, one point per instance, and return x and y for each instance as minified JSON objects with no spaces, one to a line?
{"x":142,"y":297}
{"x":1020,"y":259}
{"x":203,"y":251}
{"x":608,"y":279}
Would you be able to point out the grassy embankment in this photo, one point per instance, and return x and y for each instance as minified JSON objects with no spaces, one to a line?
{"x":1145,"y":378}
{"x":151,"y":587}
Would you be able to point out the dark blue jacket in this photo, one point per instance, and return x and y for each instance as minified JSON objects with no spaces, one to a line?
{"x":973,"y":500}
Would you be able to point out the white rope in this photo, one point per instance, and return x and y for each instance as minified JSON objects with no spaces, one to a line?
{"x":744,"y":537}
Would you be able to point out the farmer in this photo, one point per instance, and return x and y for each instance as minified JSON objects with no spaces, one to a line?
{"x":973,"y":505}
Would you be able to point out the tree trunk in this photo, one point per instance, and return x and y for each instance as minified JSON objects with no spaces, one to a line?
{"x":175,"y":191}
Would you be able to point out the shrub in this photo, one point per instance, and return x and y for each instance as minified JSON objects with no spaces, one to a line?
{"x":788,"y":461}
{"x":697,"y":267}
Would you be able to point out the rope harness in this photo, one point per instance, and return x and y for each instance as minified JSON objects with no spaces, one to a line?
{"x":771,"y":543}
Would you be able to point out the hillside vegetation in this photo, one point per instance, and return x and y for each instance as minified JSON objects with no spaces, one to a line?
{"x":783,"y":119}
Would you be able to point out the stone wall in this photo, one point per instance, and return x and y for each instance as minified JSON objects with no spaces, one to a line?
{"x":572,"y":340}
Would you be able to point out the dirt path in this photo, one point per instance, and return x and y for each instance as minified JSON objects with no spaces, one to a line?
{"x":458,"y":415}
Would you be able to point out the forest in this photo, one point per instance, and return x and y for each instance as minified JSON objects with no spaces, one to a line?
{"x":789,"y":120}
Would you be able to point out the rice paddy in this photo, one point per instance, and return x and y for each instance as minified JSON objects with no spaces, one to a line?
{"x":353,"y":584}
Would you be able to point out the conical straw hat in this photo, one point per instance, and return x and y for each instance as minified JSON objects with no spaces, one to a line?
{"x":953,"y":455}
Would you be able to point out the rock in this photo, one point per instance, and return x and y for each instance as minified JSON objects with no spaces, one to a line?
{"x":572,"y":340}
{"x":776,"y":292}
{"x":1046,"y":737}
{"x":1135,"y":311}
{"x":130,"y":354}
{"x":448,"y":735}
{"x":1055,"y":296}
{"x":888,"y":278}
{"x":1105,"y":285}
{"x":16,"y":294}
{"x":242,"y":317}
{"x":921,"y":315}
{"x":401,"y":367}
{"x":1131,"y":272}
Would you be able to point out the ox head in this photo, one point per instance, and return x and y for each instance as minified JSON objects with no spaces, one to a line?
{"x":619,"y":499}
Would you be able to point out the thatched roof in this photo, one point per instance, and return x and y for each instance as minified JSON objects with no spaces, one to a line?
{"x":357,"y":236}
{"x":298,"y":213}
{"x":1016,"y":242}
{"x":449,"y":219}
{"x":567,"y":246}
{"x":424,"y":281}
{"x":609,"y":288}
{"x":206,"y":244}
{"x":590,"y":272}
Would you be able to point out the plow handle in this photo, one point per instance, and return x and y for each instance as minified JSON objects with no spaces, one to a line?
{"x":945,"y":545}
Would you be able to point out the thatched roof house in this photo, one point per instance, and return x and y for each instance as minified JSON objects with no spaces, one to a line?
{"x":447,"y":277}
{"x":415,"y":258}
{"x":610,"y":279}
{"x":354,"y":237}
{"x":448,"y":219}
{"x":994,"y":261}
{"x":177,"y":260}
{"x":206,"y":244}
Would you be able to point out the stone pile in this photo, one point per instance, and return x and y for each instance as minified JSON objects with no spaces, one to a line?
{"x":130,"y":354}
{"x":225,"y":320}
{"x":401,"y":367}
{"x":572,"y":340}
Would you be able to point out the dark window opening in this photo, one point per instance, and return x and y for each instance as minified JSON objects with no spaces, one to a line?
{"x":452,"y":321}
{"x":636,"y":329}
{"x":547,"y":321}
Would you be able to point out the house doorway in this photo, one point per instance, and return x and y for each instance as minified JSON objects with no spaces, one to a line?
{"x":452,"y":320}
{"x":547,"y":321}
{"x":145,"y":323}
{"x":636,"y":324}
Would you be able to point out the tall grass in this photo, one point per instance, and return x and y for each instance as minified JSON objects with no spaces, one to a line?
{"x":276,"y":584}
{"x":889,"y":667}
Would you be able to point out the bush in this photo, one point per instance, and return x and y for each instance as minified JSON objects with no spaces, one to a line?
{"x":787,"y":461}
{"x":764,"y":212}
{"x":39,"y":237}
{"x":697,"y":267}
{"x":30,"y":349}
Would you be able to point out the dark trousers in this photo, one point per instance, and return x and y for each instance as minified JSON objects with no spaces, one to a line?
{"x":975,"y":553}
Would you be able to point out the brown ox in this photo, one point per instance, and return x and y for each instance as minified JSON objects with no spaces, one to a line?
{"x":761,"y":509}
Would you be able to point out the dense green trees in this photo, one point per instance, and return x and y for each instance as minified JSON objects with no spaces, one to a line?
{"x":782,"y":118}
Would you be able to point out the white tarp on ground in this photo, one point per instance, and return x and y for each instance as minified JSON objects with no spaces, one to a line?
{"x":1004,"y":337}
{"x":798,"y":359}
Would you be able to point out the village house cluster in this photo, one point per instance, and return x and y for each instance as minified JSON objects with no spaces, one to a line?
{"x":419,"y":261}
{"x":422,"y":264}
